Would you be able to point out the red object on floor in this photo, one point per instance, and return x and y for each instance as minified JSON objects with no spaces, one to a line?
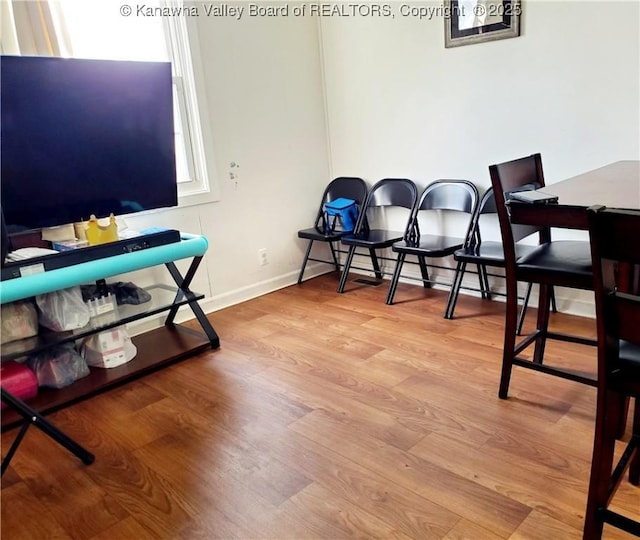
{"x":18,"y":380}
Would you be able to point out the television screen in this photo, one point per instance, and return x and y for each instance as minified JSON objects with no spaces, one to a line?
{"x":81,"y":137}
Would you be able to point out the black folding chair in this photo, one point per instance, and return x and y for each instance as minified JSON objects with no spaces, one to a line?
{"x":439,"y":197}
{"x":346,"y":187}
{"x":385,"y":194}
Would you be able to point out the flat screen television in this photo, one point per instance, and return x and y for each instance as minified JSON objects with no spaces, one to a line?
{"x":81,"y":137}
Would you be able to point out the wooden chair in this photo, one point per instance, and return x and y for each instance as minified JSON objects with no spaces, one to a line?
{"x":615,"y":245}
{"x":550,"y":264}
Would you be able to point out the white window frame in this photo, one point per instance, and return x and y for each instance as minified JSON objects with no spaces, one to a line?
{"x":183,"y":46}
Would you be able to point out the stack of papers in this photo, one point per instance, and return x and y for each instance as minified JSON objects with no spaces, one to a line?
{"x":24,"y":254}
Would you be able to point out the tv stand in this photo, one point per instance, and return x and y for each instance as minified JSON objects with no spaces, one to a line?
{"x":72,"y":257}
{"x":156,"y":348}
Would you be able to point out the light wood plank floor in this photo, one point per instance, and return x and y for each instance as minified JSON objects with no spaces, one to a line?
{"x":325,"y":416}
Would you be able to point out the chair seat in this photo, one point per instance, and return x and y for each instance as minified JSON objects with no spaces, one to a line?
{"x":380,"y":238}
{"x":490,"y":252}
{"x":563,"y":263}
{"x":430,"y":245}
{"x":314,"y":234}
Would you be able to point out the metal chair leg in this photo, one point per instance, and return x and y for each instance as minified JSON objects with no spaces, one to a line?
{"x":395,"y":278}
{"x":424,"y":271}
{"x":334,"y":256}
{"x":455,"y":290}
{"x":304,"y":262}
{"x":375,"y":263}
{"x":345,"y":270}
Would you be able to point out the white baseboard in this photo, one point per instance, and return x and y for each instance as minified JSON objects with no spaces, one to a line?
{"x":231,"y":298}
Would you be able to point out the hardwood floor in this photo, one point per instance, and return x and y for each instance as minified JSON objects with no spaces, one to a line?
{"x":325,"y":416}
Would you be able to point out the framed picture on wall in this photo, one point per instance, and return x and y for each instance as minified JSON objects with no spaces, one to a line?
{"x":474,"y":21}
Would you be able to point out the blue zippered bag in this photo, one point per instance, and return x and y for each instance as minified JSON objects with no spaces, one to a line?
{"x":340,"y":215}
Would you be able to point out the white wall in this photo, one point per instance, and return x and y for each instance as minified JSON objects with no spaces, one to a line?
{"x":397,"y":104}
{"x":264,"y":95}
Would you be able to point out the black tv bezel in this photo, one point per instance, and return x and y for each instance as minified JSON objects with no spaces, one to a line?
{"x":22,"y":216}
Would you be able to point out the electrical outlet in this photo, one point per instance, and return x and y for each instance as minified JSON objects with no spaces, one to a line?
{"x":262,"y":257}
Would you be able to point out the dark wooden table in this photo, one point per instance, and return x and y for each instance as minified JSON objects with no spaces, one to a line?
{"x":615,"y":185}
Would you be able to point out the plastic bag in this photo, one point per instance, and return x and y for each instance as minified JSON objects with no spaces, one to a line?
{"x":63,"y":310}
{"x":109,"y":349}
{"x":19,"y":320}
{"x":58,"y":366}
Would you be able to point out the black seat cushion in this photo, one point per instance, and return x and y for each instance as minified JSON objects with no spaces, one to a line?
{"x":314,"y":234}
{"x":565,"y":262}
{"x":490,"y":252}
{"x":379,"y":238}
{"x":430,"y":245}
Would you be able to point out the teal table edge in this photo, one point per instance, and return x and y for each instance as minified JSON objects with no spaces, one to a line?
{"x":63,"y":278}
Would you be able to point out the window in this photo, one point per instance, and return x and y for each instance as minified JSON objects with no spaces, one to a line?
{"x":100,"y":30}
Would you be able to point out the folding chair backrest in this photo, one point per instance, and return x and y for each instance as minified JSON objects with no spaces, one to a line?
{"x":348,"y":187}
{"x":459,"y":195}
{"x":393,"y":192}
{"x":451,"y":195}
{"x":400,"y":192}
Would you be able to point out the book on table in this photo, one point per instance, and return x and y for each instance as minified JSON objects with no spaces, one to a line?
{"x":534,"y":197}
